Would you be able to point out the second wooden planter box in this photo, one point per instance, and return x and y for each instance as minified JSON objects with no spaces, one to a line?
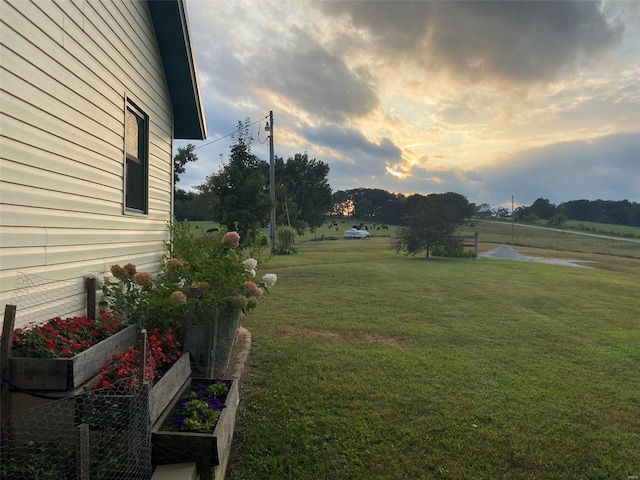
{"x":206,"y":449}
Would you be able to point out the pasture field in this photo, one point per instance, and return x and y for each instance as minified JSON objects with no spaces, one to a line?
{"x":370,"y":365}
{"x":604,"y":228}
{"x":555,"y":239}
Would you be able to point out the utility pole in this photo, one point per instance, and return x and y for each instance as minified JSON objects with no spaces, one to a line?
{"x":272,"y":187}
{"x":512,"y":224}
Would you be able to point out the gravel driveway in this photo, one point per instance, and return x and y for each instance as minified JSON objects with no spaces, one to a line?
{"x":507,"y":253}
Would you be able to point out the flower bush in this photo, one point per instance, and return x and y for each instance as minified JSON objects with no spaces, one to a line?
{"x":200,"y":408}
{"x":215,"y":268}
{"x":163,"y":350}
{"x":65,"y":337}
{"x":139,"y":298}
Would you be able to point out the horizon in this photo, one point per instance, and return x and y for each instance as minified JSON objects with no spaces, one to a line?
{"x":486,"y":99}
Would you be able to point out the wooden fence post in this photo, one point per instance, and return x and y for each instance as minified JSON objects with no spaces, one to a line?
{"x":90,"y":287}
{"x":143,"y":355}
{"x":84,"y":452}
{"x":5,"y":353}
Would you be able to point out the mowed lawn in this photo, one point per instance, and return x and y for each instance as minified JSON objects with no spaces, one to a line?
{"x":366,"y":364}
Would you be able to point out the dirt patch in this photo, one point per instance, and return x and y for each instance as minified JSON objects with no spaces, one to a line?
{"x":348,"y":336}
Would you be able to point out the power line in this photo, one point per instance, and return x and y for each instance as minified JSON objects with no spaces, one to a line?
{"x":229,"y":134}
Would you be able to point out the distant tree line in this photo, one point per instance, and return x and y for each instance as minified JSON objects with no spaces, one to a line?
{"x":622,"y":212}
{"x":375,"y":205}
{"x":238,"y":197}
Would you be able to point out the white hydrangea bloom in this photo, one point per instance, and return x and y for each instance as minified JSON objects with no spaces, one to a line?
{"x":270,"y":279}
{"x":250,"y":264}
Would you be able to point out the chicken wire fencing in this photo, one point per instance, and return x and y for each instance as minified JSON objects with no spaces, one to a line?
{"x":95,"y":435}
{"x":89,"y":434}
{"x":209,"y":338}
{"x":36,"y":297}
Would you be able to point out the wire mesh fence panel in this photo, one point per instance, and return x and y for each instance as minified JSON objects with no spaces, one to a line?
{"x":96,"y":435}
{"x":83,"y":433}
{"x":227,"y":328}
{"x":210,"y":339}
{"x":38,"y":299}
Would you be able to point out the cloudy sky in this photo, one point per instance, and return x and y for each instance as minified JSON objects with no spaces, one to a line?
{"x":487,"y":99}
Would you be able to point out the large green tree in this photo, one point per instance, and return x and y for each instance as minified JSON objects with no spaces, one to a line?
{"x":302,"y":191}
{"x":431,"y":221}
{"x":240,"y":189}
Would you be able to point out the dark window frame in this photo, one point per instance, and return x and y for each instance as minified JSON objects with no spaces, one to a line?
{"x":136,"y":160}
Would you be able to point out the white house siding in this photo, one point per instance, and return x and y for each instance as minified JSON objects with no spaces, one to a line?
{"x":66,"y":69}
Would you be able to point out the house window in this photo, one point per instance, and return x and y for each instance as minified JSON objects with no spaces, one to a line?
{"x":137,"y":160}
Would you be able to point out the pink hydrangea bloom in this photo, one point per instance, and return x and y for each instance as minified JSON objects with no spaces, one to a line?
{"x":253,"y":289}
{"x":174,"y":263}
{"x":118,"y":272}
{"x":143,"y":278}
{"x":178,"y":298}
{"x":231,"y":239}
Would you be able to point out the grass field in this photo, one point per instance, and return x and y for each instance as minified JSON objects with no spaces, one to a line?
{"x":370,"y":365}
{"x":505,"y":233}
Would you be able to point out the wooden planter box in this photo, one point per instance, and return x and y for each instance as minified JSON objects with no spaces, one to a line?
{"x":165,"y":390}
{"x":115,"y":411}
{"x":206,"y":449}
{"x":61,"y":374}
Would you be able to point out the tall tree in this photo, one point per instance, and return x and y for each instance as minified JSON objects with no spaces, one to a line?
{"x":543,"y":209}
{"x":431,"y":222}
{"x":184,"y":156}
{"x":241,"y":189}
{"x":302,"y":191}
{"x":342,"y":204}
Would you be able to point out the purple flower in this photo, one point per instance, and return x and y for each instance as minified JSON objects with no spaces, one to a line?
{"x":201,"y":392}
{"x":179,"y":421}
{"x":216,"y":404}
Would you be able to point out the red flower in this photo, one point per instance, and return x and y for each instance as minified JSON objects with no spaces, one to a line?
{"x":127,"y":364}
{"x":62,"y":336}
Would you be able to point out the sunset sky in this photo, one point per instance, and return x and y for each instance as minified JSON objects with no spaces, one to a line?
{"x":487,"y":99}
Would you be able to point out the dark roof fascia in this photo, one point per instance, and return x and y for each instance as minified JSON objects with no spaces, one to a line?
{"x":171,"y":25}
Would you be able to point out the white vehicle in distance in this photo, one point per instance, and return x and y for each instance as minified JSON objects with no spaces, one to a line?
{"x":355,"y":233}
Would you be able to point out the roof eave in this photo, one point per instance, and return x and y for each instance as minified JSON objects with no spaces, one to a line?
{"x":171,"y":25}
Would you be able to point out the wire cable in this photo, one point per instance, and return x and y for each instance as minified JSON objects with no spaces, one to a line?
{"x":232,"y":133}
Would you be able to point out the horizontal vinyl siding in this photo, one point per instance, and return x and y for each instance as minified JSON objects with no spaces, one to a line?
{"x":66,"y":68}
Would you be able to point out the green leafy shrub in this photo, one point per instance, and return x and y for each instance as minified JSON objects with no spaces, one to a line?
{"x":285,"y":240}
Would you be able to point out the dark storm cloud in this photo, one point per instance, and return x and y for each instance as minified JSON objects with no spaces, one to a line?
{"x":371,"y":157}
{"x":521,"y":41}
{"x":295,"y":67}
{"x":315,"y":80}
{"x":605,"y":168}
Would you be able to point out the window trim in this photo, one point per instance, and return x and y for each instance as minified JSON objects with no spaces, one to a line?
{"x":143,"y":148}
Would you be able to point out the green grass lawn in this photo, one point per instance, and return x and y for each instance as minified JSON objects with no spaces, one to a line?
{"x":370,"y":365}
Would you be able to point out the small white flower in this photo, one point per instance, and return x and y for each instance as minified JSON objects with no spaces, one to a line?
{"x":252,"y":272}
{"x":269,"y":279}
{"x":250,"y":264}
